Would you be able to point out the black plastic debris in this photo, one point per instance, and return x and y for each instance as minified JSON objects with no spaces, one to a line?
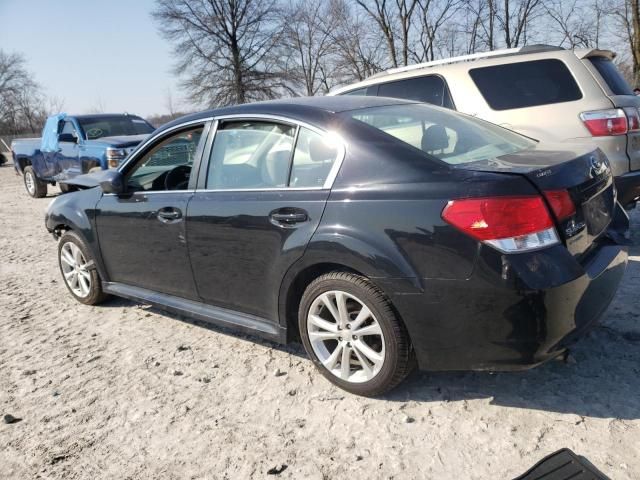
{"x":563,"y":465}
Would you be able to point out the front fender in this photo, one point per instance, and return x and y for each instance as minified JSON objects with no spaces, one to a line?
{"x":76,"y":211}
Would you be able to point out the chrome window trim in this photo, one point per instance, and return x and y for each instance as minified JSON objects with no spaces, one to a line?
{"x":335,"y":168}
{"x":328,"y":184}
{"x":140,"y":192}
{"x":272,"y":189}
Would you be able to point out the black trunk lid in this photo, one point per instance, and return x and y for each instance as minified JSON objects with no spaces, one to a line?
{"x":582,"y":171}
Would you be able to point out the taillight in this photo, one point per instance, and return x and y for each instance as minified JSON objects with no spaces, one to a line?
{"x":633,"y":118}
{"x":602,"y":123}
{"x":510,"y":224}
{"x":561,"y":203}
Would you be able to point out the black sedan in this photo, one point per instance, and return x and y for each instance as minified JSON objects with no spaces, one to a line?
{"x":382,"y":233}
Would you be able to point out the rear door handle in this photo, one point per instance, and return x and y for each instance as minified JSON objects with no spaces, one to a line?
{"x":286,"y":217}
{"x":169,"y":214}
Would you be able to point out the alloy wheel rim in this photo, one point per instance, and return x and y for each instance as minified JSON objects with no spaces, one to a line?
{"x":346,"y":336}
{"x":30,"y":183}
{"x":74,"y":269}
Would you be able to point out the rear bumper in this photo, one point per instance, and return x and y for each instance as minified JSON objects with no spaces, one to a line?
{"x":514,"y":312}
{"x":628,"y":186}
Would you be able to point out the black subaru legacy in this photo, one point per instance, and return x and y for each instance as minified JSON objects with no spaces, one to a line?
{"x":380,"y":232}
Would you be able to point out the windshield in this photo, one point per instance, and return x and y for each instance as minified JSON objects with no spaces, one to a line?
{"x":448,"y":136}
{"x":120,"y":125}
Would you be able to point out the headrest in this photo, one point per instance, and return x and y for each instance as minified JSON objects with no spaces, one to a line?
{"x":435,"y":138}
{"x":319,"y":151}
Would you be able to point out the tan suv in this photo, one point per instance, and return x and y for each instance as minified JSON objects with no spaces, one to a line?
{"x":547,"y":93}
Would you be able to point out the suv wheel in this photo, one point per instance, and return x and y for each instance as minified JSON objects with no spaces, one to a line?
{"x":35,"y":187}
{"x":78,"y":270}
{"x":349,"y":330}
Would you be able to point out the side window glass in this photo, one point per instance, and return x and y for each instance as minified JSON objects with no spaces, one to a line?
{"x":67,"y":128}
{"x":526,"y":84}
{"x":167,"y":166}
{"x":429,"y":89}
{"x":250,"y":154}
{"x":312,"y":160}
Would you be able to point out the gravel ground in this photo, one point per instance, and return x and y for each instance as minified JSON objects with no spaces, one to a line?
{"x":126,"y":391}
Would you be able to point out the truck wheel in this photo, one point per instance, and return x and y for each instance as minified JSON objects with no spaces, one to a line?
{"x":350,"y":331}
{"x":35,"y":187}
{"x":78,"y":270}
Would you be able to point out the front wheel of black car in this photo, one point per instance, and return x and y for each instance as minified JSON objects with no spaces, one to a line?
{"x":352,"y":335}
{"x":35,"y":187}
{"x":78,"y":270}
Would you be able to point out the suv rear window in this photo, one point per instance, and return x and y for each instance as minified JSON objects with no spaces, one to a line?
{"x":429,"y":89}
{"x":611,"y":75}
{"x":526,"y":84}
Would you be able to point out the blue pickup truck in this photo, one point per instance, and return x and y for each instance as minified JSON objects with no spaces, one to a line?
{"x":75,"y":144}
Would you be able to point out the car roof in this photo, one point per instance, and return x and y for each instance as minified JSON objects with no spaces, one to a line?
{"x":295,"y":108}
{"x":99,"y":116}
{"x":481,"y":59}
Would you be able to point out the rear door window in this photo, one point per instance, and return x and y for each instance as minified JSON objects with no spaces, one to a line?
{"x":611,"y":76}
{"x":526,"y":84}
{"x":428,"y":89}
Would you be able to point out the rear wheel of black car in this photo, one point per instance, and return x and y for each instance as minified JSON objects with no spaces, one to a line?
{"x":352,"y":335}
{"x":78,"y":270}
{"x":35,"y":187}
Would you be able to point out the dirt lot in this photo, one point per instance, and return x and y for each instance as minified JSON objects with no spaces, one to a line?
{"x":125,"y":391}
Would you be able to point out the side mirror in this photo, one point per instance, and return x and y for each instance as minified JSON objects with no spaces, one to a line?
{"x":67,"y":137}
{"x":112,"y":181}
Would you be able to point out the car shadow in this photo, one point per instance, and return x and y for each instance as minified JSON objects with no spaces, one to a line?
{"x":292,"y":348}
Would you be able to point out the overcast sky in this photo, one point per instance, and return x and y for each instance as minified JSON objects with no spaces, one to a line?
{"x":92,"y":53}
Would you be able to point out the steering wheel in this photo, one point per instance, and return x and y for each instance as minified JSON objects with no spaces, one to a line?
{"x":178,"y":178}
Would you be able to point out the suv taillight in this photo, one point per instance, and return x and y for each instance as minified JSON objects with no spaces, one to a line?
{"x":633,"y":118}
{"x":615,"y":121}
{"x":510,"y":224}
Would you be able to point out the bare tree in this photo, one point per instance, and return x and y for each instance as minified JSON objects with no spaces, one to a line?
{"x":309,"y":43}
{"x":394,"y":20}
{"x":515,"y":18}
{"x":627,"y":18}
{"x":224,"y":48}
{"x":359,"y":49}
{"x":22,"y":105}
{"x":433,"y":16}
{"x":576,"y":23}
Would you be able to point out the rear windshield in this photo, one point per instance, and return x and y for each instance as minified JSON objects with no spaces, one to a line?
{"x":448,"y":136}
{"x":106,"y":126}
{"x":526,"y":84}
{"x":611,"y":75}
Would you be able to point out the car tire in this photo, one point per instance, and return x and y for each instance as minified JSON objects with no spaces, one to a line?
{"x":78,"y":270}
{"x":378,"y":359}
{"x":35,"y":187}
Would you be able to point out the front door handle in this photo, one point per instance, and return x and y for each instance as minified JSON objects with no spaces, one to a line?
{"x":169,"y":214}
{"x":286,"y":217}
